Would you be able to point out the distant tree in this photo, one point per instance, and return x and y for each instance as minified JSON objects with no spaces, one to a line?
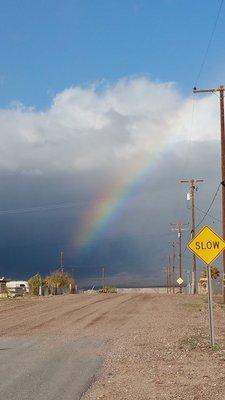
{"x":34,"y":282}
{"x":59,"y":279}
{"x":215,"y":273}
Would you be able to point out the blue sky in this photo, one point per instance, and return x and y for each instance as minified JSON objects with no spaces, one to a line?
{"x":47,"y":46}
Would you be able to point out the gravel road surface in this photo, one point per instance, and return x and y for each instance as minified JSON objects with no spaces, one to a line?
{"x":112,"y":347}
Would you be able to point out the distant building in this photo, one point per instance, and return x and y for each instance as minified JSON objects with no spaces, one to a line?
{"x":17,"y":288}
{"x":203,"y":286}
{"x":216,"y":286}
{"x":3,"y":282}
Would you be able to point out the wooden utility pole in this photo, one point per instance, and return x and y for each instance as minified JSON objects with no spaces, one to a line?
{"x":179,"y":227}
{"x":173,"y":265}
{"x":220,"y":89}
{"x":103,"y":277}
{"x":167,"y":279}
{"x":61,"y":261}
{"x":169,"y":274}
{"x":193,"y":189}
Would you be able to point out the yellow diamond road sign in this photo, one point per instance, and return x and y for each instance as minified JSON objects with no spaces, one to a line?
{"x":207,"y":245}
{"x":180,"y":281}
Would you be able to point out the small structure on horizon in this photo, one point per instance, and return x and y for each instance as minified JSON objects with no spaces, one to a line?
{"x":17,"y":288}
{"x":202,"y":285}
{"x":3,"y":288}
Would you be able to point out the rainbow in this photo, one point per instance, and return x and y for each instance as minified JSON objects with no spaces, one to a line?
{"x":105,"y":211}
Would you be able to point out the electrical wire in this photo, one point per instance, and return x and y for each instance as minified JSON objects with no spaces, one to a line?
{"x":208,"y":215}
{"x":208,"y":209}
{"x":185,"y":245}
{"x":188,"y":147}
{"x":209,"y":42}
{"x":204,"y":212}
{"x":39,"y":208}
{"x":192,"y":121}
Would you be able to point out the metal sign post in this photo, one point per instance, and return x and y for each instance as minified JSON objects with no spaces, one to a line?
{"x":208,"y":245}
{"x":211,"y":319}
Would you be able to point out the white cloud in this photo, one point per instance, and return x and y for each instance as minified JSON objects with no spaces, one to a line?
{"x":91,"y":127}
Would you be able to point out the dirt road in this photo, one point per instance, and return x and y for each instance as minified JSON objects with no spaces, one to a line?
{"x":74,"y":316}
{"x":138,"y":346}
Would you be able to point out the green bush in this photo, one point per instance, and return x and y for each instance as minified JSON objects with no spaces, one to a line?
{"x":108,"y":289}
{"x":34,"y":282}
{"x":59,"y":279}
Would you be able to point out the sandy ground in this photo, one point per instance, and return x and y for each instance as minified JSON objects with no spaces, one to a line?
{"x":153,"y":346}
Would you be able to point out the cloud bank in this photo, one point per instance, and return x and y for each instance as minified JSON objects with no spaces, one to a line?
{"x":98,"y":126}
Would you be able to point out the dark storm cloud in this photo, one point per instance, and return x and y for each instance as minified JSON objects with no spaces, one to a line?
{"x":71,"y":152}
{"x":136,"y":244}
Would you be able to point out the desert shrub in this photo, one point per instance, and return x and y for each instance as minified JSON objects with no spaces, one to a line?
{"x":59,"y":279}
{"x":34,"y":282}
{"x":215,"y":272}
{"x":108,"y":289}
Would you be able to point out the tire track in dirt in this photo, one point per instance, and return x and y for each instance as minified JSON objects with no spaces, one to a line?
{"x":111,"y":319}
{"x":72,"y":313}
{"x":69,"y":313}
{"x":67,"y":317}
{"x":26,"y":314}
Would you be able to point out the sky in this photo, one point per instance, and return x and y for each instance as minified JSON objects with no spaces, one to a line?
{"x":98,"y":124}
{"x":47,"y":46}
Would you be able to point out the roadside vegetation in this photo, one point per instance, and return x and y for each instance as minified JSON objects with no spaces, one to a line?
{"x":108,"y":289}
{"x":34,"y":283}
{"x":215,"y":273}
{"x":57,"y":280}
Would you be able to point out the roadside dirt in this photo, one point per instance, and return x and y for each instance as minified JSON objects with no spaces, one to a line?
{"x":156,"y":346}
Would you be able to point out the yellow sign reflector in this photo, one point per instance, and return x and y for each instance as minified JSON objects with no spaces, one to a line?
{"x":180,"y":281}
{"x":207,"y":245}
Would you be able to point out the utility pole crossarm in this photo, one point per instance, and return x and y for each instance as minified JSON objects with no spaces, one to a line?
{"x":204,"y":90}
{"x":189,"y":180}
{"x":219,"y":89}
{"x":178,"y":226}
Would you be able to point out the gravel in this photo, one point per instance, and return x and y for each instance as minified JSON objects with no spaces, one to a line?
{"x":165,"y":354}
{"x":153,"y":346}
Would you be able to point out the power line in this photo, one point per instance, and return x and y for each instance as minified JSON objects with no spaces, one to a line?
{"x":185,"y":245}
{"x":208,"y":209}
{"x":67,"y":243}
{"x":189,"y":139}
{"x":209,"y":42}
{"x":204,"y":212}
{"x":49,"y":207}
{"x":40,"y":208}
{"x":208,"y":215}
{"x":198,"y":76}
